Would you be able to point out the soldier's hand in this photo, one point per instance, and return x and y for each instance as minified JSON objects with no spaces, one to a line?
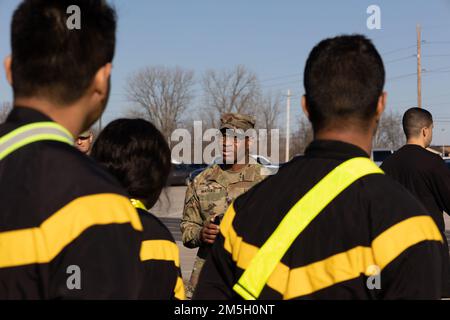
{"x":209,"y":232}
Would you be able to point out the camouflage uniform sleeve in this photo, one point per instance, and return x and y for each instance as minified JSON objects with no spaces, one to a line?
{"x":192,"y":222}
{"x":263,"y":173}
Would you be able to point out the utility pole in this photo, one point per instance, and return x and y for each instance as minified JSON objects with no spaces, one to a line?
{"x":288,"y":109}
{"x":419,"y":68}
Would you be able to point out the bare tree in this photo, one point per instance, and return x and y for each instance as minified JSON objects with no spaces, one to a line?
{"x":135,"y":113}
{"x":390,"y":133}
{"x":5,"y":108}
{"x":303,"y":136}
{"x":234,"y":90}
{"x":268,"y":111}
{"x":162,"y":94}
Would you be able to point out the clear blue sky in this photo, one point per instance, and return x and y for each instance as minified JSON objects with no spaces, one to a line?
{"x":273,"y":38}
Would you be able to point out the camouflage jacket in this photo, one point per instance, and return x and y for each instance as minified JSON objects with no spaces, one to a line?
{"x":210,"y":194}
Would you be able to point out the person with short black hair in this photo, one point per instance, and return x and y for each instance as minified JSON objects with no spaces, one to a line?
{"x":418,"y":127}
{"x":68,"y":229}
{"x":136,"y":153}
{"x":52,"y":61}
{"x":329,"y":225}
{"x":424,"y":174}
{"x":343,"y":80}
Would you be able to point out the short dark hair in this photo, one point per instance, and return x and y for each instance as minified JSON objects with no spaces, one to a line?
{"x":414,"y":120}
{"x":136,"y":153}
{"x":49,"y":59}
{"x":343,"y":79}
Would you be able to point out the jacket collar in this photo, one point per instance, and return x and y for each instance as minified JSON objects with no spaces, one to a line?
{"x":334,"y":149}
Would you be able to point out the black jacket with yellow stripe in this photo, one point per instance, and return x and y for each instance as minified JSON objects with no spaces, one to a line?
{"x":161,"y":260}
{"x":373,"y":223}
{"x":67,"y":228}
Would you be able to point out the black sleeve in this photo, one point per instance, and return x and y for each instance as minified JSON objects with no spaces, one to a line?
{"x":415,"y":274}
{"x":441,"y":183}
{"x":106,"y":259}
{"x":218,"y":275}
{"x":169,"y":284}
{"x":406,"y":243}
{"x":160,"y":258}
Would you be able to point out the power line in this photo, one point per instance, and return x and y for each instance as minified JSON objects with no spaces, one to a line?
{"x":282,"y":77}
{"x":282,"y":84}
{"x":398,"y":50}
{"x":436,"y":42}
{"x":401,"y":59}
{"x":402,"y":76}
{"x":438,"y":69}
{"x":436,"y":55}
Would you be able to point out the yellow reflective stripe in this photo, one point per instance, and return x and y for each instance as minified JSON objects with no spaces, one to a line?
{"x":330,"y":271}
{"x":398,"y":238}
{"x":160,"y":250}
{"x":33,"y":132}
{"x":344,"y":266}
{"x":35,"y":125}
{"x":179,"y":290}
{"x":297,"y":219}
{"x":31,"y":139}
{"x":138,"y":204}
{"x":42,"y":244}
{"x":240,"y":290}
{"x":242,"y":253}
{"x":351,"y":264}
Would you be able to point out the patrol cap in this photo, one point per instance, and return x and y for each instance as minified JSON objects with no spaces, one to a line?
{"x":85,"y":134}
{"x":236,"y":121}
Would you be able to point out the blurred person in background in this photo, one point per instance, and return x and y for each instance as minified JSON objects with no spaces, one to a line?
{"x":84,"y":142}
{"x":424,"y":174}
{"x":136,"y":153}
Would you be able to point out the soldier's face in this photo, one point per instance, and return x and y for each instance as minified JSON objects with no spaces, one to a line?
{"x":233,"y":149}
{"x":84,"y":144}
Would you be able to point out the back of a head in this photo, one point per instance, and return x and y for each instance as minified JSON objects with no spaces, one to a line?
{"x":56,"y":62}
{"x":343,"y":79}
{"x":136,"y":153}
{"x":414,"y":120}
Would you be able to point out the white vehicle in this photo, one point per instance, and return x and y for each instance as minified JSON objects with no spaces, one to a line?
{"x":272,"y":167}
{"x":175,"y":161}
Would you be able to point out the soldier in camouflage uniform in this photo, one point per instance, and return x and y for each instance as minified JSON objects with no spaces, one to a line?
{"x":209,"y":195}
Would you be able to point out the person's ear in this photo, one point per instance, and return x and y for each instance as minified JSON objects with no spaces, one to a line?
{"x":305,"y":106}
{"x":381,"y":105}
{"x":7,"y":65}
{"x":101,"y":81}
